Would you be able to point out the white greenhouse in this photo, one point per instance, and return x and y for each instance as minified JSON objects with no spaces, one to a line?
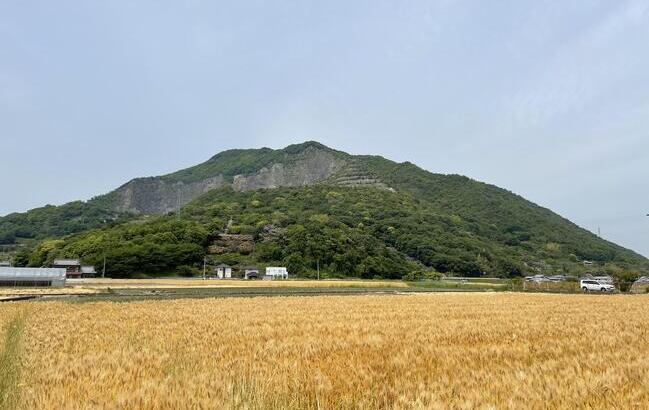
{"x":32,"y":277}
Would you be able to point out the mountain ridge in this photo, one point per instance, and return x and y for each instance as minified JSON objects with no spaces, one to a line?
{"x":243,"y":169}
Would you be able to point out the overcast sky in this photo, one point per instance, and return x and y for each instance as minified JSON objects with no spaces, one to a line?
{"x":549,"y":99}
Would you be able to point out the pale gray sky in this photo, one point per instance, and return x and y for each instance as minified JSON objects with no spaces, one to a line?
{"x":549,"y":99}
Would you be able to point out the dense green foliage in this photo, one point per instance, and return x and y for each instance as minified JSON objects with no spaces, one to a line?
{"x":499,"y":215}
{"x":55,"y":221}
{"x":362,"y":232}
{"x":330,"y":226}
{"x":154,"y":245}
{"x":422,"y":230}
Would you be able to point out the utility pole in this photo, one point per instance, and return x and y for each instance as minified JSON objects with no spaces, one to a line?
{"x":318,"y":266}
{"x":204,"y":266}
{"x":103,"y":271}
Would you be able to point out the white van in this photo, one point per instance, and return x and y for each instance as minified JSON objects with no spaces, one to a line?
{"x":592,"y":285}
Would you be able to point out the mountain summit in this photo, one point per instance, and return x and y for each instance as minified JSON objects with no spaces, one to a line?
{"x":243,"y":170}
{"x":308,"y":205}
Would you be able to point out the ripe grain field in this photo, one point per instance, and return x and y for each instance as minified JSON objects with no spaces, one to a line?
{"x":487,"y":350}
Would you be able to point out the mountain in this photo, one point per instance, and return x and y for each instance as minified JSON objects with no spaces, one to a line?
{"x":306,"y":206}
{"x":243,"y":170}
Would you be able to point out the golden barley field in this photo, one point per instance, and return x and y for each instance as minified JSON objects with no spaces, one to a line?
{"x":486,"y":350}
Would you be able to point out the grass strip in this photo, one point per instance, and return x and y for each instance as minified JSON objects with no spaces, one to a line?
{"x":10,"y":363}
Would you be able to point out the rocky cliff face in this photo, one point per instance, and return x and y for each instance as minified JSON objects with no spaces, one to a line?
{"x":310,"y":167}
{"x":159,"y":195}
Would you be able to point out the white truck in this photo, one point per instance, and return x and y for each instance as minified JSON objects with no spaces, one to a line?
{"x":273,"y":272}
{"x":592,"y":285}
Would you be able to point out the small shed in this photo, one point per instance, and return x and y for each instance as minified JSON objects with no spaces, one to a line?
{"x":250,"y":272}
{"x":88,"y":272}
{"x":71,"y":266}
{"x":32,"y":277}
{"x":223,"y":271}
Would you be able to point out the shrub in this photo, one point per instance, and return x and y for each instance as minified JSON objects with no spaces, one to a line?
{"x":418,"y":275}
{"x":187,"y":271}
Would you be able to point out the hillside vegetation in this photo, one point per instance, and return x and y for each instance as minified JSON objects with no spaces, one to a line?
{"x":308,"y":206}
{"x":362,"y":232}
{"x":55,"y":221}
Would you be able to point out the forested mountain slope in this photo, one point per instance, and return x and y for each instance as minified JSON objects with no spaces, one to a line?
{"x":309,"y":205}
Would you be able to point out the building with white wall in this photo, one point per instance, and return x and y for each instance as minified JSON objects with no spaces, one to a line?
{"x":223,"y":271}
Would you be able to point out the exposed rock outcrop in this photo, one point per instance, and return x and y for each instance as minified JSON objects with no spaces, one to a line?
{"x":243,"y":170}
{"x":310,"y":167}
{"x":158,"y":196}
{"x":225,"y":243}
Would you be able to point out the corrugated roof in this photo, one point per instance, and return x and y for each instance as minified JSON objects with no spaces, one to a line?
{"x":32,"y":273}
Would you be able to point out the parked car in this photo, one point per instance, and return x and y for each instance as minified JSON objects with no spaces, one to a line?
{"x":537,"y":279}
{"x":591,"y":285}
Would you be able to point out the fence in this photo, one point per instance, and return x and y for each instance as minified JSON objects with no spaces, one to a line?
{"x":574,"y":287}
